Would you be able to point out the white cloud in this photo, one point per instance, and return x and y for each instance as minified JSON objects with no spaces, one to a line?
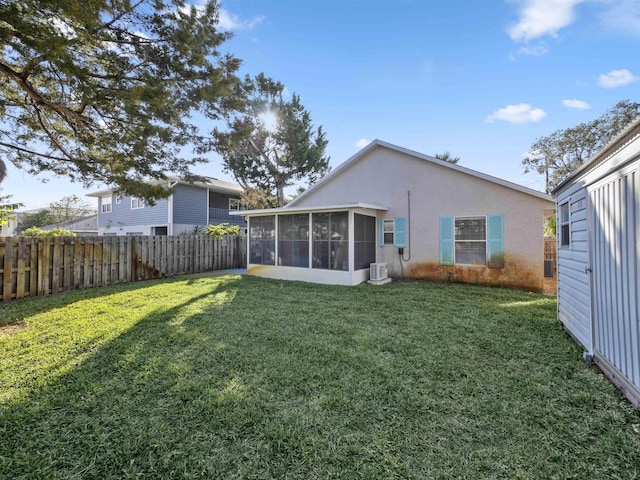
{"x":623,"y":15}
{"x":230,"y":21}
{"x":617,"y":78}
{"x":536,"y":51}
{"x":520,"y":113}
{"x":577,"y":104}
{"x":538,"y":18}
{"x":363,"y":142}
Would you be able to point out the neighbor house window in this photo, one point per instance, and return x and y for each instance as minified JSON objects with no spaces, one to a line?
{"x":387,"y":231}
{"x":106,"y":204}
{"x":331,"y":240}
{"x":364,"y":241}
{"x":234,"y":204}
{"x":262,"y":243}
{"x":470,"y":235}
{"x":565,"y":232}
{"x":293,"y":240}
{"x":136,"y":203}
{"x":118,"y":199}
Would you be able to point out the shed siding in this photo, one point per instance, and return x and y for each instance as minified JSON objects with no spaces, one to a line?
{"x":190,"y":205}
{"x":122,"y":215}
{"x":616,"y":276}
{"x":574,"y":298}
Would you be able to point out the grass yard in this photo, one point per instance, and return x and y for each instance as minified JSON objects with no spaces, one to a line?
{"x":241,"y":377}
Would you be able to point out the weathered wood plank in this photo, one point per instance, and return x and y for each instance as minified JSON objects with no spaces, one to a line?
{"x":56,"y":264}
{"x":33,"y":267}
{"x":7,"y":267}
{"x":21,"y":273}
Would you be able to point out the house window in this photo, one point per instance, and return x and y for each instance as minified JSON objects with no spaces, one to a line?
{"x":234,"y":204}
{"x":331,"y":240}
{"x":565,"y":232}
{"x":106,"y":204}
{"x":159,"y":231}
{"x":118,"y":199}
{"x":387,"y":231}
{"x":293,"y":240}
{"x":470,"y":235}
{"x":364,"y":241}
{"x":134,"y":234}
{"x":136,"y":203}
{"x":262,"y":234}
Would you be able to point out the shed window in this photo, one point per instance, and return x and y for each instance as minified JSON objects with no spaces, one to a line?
{"x":293,"y":240}
{"x":262,"y":234}
{"x":565,"y":231}
{"x":106,"y":204}
{"x":331,"y":240}
{"x":471,"y":240}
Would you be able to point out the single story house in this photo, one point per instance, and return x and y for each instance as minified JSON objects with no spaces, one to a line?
{"x":599,"y":258}
{"x":86,"y":226}
{"x":422,"y":217}
{"x":190,"y":205}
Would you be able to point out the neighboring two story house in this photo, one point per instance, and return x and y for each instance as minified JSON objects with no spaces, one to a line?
{"x":190,"y":205}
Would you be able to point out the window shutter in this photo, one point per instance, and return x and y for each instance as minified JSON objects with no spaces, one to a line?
{"x":495,"y":241}
{"x":400,"y":232}
{"x":380,"y":232}
{"x":446,"y":240}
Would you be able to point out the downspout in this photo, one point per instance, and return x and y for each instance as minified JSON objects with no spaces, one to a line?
{"x":170,"y":210}
{"x":408,"y":228}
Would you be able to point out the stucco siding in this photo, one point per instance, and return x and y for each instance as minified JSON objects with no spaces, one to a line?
{"x":190,"y":205}
{"x":400,"y":181}
{"x":122,"y":215}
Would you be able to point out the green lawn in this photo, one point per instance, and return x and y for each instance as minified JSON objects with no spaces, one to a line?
{"x":241,"y":377}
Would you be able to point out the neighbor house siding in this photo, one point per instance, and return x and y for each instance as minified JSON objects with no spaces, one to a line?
{"x":432,"y":190}
{"x":190,"y":205}
{"x":573,"y":275}
{"x":122,"y":215}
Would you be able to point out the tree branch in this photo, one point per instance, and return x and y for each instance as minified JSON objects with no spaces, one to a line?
{"x":32,"y":152}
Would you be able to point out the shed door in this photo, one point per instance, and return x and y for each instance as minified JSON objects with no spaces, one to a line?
{"x":615,"y":258}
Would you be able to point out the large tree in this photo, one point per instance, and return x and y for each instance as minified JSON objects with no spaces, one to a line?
{"x":272,"y":143}
{"x":563,"y":151}
{"x":102,"y":90}
{"x":70,"y":207}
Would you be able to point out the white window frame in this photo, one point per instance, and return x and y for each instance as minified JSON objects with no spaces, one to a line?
{"x":234,"y":204}
{"x":485,"y":241}
{"x":137,"y":203}
{"x":118,"y":199}
{"x":106,"y":204}
{"x":564,"y":223}
{"x":385,"y":231}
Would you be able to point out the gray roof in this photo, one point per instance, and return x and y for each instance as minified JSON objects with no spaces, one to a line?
{"x":83,"y":224}
{"x":211,"y":183}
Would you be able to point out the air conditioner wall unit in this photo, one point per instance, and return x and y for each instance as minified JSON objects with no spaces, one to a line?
{"x":377,"y":272}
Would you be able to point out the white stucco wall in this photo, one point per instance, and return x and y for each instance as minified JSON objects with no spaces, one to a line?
{"x":388,"y":177}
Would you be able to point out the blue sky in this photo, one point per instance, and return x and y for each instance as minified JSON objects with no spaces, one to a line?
{"x":482,"y":80}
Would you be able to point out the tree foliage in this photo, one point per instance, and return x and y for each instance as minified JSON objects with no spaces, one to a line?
{"x":70,"y":207}
{"x":54,"y":232}
{"x":222,"y":229}
{"x":447,"y":157}
{"x":256,"y":198}
{"x":562,"y":152}
{"x":102,"y":90}
{"x":272,"y":142}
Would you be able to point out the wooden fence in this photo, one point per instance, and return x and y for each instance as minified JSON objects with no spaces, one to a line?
{"x":43,"y":266}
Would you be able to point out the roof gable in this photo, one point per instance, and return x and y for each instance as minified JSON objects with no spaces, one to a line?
{"x":427,"y":158}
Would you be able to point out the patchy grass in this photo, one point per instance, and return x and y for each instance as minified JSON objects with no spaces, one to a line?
{"x":240,"y":377}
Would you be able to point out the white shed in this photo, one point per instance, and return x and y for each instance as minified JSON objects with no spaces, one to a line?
{"x":599,"y":259}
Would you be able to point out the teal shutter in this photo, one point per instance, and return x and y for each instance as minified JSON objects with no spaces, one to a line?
{"x":446,"y":240}
{"x":380,"y":232}
{"x":495,"y":241}
{"x":400,"y":232}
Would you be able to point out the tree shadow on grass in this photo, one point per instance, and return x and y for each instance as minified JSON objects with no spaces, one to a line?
{"x":156,"y":401}
{"x":15,"y":311}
